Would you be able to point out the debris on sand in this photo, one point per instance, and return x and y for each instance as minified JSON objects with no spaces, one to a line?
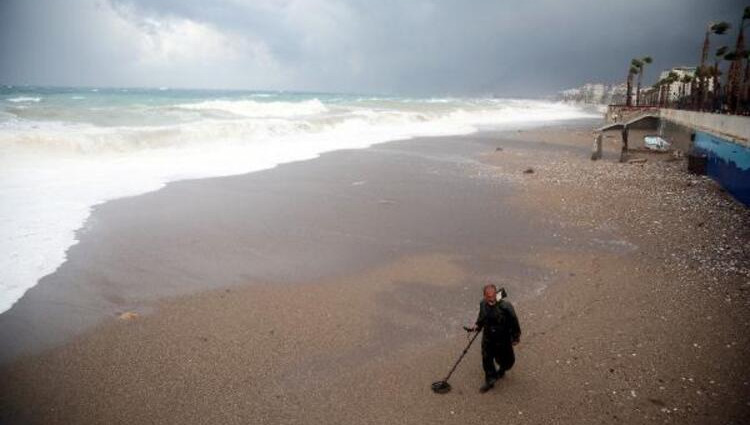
{"x":128,"y":315}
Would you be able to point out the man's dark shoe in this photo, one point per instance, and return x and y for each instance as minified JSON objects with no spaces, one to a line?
{"x":487,"y":386}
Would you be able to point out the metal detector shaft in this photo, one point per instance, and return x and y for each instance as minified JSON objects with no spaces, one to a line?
{"x":466,"y":350}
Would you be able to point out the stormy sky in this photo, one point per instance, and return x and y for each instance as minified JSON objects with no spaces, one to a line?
{"x":421,"y":47}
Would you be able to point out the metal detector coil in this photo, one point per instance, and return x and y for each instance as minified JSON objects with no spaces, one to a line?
{"x":442,"y":387}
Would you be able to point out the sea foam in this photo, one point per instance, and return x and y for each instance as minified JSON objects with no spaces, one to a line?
{"x":253,"y":109}
{"x":23,"y":99}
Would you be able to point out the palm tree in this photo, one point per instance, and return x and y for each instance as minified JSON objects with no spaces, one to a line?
{"x":686,"y":79}
{"x":661,"y":86}
{"x":665,"y":91}
{"x":745,"y":94}
{"x":734,"y":75}
{"x":641,"y":65}
{"x":745,"y":85}
{"x":715,"y":72}
{"x":672,"y":77}
{"x":632,"y":71}
{"x":713,"y":102}
{"x":695,"y":88}
{"x":717,"y":28}
{"x":637,"y":65}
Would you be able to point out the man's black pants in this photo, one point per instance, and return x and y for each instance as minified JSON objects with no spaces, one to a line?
{"x":500,"y":352}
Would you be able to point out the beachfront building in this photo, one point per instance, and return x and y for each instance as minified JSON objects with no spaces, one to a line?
{"x":679,"y":89}
{"x":618,"y":93}
{"x":594,"y":93}
{"x":588,"y":93}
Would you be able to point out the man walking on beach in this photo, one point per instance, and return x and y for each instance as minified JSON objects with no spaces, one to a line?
{"x":498,"y":320}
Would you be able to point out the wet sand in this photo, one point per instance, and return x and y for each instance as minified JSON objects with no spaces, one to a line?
{"x":333,"y":291}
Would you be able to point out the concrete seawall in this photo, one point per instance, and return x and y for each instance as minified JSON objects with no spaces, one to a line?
{"x":728,"y":163}
{"x":736,"y":128}
{"x":723,"y":139}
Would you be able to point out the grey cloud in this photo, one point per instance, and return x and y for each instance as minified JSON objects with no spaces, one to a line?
{"x":512,"y":48}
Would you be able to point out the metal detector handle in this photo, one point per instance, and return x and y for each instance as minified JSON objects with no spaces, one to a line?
{"x":466,"y":350}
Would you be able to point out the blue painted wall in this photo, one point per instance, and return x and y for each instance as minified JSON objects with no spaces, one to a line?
{"x":728,"y":164}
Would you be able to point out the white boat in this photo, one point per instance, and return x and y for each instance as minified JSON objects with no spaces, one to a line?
{"x":656,"y":143}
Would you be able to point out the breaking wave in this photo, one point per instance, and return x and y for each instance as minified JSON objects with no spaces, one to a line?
{"x":23,"y":99}
{"x":254,"y":109}
{"x":77,"y":149}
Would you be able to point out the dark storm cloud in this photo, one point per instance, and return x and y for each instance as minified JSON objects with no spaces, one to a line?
{"x":511,"y":48}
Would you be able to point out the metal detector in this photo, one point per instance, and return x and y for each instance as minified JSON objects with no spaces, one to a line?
{"x":442,"y":387}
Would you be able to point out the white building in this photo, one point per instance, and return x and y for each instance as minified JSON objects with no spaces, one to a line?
{"x":594,"y":93}
{"x":679,"y":88}
{"x":618,"y":93}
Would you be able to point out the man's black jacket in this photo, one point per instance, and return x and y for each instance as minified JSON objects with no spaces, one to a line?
{"x":499,"y":322}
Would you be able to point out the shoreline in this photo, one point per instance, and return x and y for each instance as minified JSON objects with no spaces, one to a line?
{"x":601,"y":312}
{"x":89,"y":307}
{"x":70,"y":236}
{"x":112,"y":157}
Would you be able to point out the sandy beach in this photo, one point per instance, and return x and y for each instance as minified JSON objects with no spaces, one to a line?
{"x":334,"y":291}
